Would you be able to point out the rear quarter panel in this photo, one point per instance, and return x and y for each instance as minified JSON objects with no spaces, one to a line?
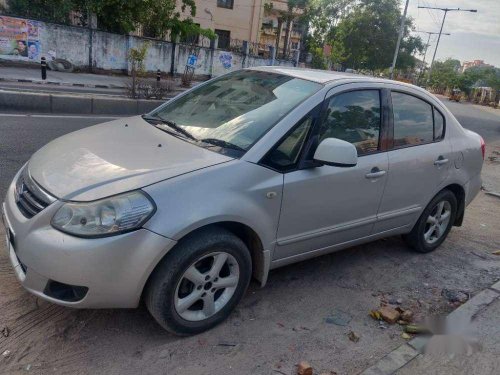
{"x":467,"y":158}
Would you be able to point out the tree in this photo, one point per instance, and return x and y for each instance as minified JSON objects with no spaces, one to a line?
{"x":479,"y":76}
{"x":124,"y":16}
{"x":57,"y":11}
{"x":367,"y":37}
{"x":136,"y":56}
{"x":444,"y":75}
{"x":318,"y":58}
{"x":160,"y":17}
{"x":322,"y":17}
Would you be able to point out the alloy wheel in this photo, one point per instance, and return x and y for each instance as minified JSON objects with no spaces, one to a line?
{"x":437,"y":222}
{"x":206,"y":286}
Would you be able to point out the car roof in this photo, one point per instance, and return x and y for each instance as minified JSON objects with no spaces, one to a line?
{"x":328,"y":76}
{"x":315,"y":75}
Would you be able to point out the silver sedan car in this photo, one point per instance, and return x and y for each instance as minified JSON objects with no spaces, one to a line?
{"x":245,"y":173}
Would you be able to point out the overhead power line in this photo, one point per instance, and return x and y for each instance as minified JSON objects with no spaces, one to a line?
{"x":445,"y":10}
{"x":429,"y":33}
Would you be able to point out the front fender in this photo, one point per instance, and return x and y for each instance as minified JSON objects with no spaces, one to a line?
{"x":236,"y":191}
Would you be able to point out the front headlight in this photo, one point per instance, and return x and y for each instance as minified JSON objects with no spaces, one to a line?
{"x":105,"y":217}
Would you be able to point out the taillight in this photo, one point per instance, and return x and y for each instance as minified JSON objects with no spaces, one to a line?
{"x":483,"y":147}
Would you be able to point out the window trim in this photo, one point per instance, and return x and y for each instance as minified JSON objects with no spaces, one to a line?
{"x":305,"y":160}
{"x":382,"y":137}
{"x":391,"y":117}
{"x":434,"y":124}
{"x":315,"y":114}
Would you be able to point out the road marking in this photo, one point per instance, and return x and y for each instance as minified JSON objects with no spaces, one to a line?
{"x":58,"y":116}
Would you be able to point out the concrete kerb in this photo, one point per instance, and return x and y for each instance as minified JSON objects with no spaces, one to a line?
{"x":405,"y":353}
{"x":69,"y":84}
{"x":74,"y":104}
{"x":493,"y":193}
{"x":42,"y":82}
{"x":25,"y":101}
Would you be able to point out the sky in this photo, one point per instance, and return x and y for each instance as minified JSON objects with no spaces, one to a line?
{"x":473,"y":35}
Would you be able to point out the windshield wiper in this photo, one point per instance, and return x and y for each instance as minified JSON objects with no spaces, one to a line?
{"x":222,"y":143}
{"x":170,"y":124}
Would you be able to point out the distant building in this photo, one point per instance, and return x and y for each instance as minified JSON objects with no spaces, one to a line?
{"x":273,"y":26}
{"x":230,"y":19}
{"x":473,"y":64}
{"x":250,"y":20}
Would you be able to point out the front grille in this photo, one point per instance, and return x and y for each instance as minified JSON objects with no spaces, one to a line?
{"x":30,"y":199}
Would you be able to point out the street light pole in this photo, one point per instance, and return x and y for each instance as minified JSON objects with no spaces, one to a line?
{"x":437,"y":43}
{"x":445,"y":10}
{"x":400,"y":36}
{"x":427,"y":46}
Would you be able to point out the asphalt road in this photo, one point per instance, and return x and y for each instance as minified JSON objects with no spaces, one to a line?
{"x":482,"y":120}
{"x":22,"y":135}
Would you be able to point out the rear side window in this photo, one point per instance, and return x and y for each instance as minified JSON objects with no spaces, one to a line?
{"x":354,"y":117}
{"x":413,"y":120}
{"x":438,"y":125}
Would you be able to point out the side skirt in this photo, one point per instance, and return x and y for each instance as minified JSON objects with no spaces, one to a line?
{"x":330,"y":249}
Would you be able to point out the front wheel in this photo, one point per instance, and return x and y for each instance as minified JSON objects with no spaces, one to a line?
{"x":434,"y":224}
{"x":198,"y":284}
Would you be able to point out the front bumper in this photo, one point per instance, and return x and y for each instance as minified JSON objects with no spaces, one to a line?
{"x":114,"y":269}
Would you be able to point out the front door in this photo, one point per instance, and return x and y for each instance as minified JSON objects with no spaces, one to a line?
{"x":329,"y":205}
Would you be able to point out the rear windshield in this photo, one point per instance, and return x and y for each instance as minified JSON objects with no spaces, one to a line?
{"x":237,"y":108}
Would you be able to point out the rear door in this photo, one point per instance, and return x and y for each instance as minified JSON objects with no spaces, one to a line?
{"x":419,"y":160}
{"x":327,"y":205}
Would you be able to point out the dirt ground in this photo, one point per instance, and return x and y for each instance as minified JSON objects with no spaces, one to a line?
{"x":273,"y":328}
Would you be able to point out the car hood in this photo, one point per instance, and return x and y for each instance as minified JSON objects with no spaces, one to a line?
{"x":115,"y":157}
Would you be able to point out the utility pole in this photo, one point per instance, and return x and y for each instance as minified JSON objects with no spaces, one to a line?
{"x":400,"y":36}
{"x":427,"y":46}
{"x":445,"y":10}
{"x":89,"y":25}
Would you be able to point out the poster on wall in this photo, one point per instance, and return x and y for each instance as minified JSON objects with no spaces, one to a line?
{"x":20,"y":39}
{"x":226,"y":59}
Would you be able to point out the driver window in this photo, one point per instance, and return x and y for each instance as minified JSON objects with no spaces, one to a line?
{"x":354,"y":117}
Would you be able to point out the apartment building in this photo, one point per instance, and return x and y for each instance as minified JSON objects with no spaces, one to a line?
{"x":250,"y":20}
{"x":230,"y":19}
{"x":273,"y":26}
{"x":475,"y":63}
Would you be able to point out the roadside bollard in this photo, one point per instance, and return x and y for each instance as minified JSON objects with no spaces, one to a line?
{"x":158,"y":75}
{"x":44,"y":68}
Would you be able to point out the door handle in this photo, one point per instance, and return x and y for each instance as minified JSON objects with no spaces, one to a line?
{"x":375,"y":173}
{"x":440,"y":161}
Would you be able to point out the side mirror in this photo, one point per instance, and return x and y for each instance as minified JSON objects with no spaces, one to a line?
{"x":336,"y":152}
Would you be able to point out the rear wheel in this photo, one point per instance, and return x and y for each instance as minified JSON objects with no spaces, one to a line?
{"x":434,"y":224}
{"x":198,"y":284}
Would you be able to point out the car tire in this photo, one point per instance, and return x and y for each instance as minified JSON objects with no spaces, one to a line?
{"x":175,"y":282}
{"x":423,"y":238}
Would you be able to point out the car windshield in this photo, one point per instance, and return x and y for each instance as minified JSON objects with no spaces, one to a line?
{"x":236,"y":109}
